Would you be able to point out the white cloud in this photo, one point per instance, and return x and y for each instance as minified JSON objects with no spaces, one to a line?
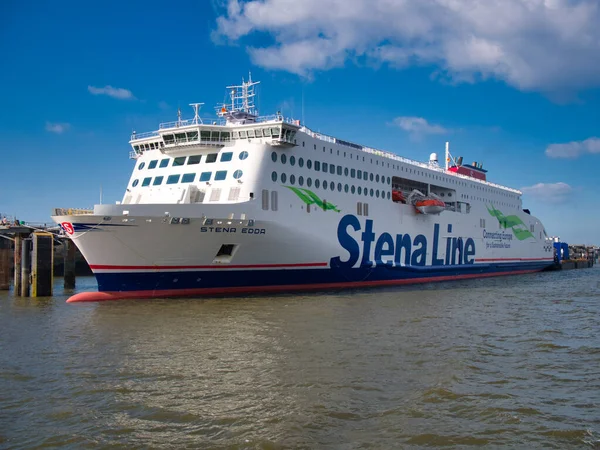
{"x":573,"y":149}
{"x":120,"y":93}
{"x":57,"y":128}
{"x":418,"y":126}
{"x":539,"y":45}
{"x":549,"y":192}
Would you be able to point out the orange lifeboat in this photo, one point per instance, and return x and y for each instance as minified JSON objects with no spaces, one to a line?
{"x":397,"y":196}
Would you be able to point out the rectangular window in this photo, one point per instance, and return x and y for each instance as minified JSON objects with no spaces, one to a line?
{"x":531,"y":228}
{"x":275,"y":132}
{"x":234,"y":134}
{"x":365,"y":209}
{"x":234,"y":194}
{"x":220,"y":175}
{"x":243,"y":134}
{"x":359,"y":174}
{"x":146,"y":181}
{"x":164,"y":162}
{"x":339,"y":170}
{"x":265,"y":200}
{"x":157,"y":181}
{"x":250,"y":133}
{"x":215,"y":136}
{"x":273,"y":200}
{"x":225,"y":136}
{"x":205,"y":136}
{"x":317,"y":165}
{"x":194,"y":159}
{"x":180,"y":161}
{"x":188,"y":177}
{"x":169,"y":139}
{"x":173,"y":179}
{"x":332,"y":169}
{"x":325,"y":168}
{"x":215,"y":195}
{"x":352,"y":173}
{"x":266,"y":132}
{"x":211,"y":157}
{"x":153,"y":164}
{"x":359,"y":209}
{"x":225,"y":157}
{"x":205,"y":176}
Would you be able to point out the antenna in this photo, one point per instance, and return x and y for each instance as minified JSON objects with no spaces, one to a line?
{"x":101,"y":193}
{"x":196,"y":107}
{"x":178,"y":115}
{"x":447,"y":155}
{"x":303,"y":105}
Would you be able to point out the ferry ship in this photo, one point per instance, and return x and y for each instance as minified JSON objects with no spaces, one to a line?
{"x":247,"y":203}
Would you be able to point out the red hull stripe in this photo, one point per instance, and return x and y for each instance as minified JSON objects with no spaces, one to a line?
{"x":514,"y":259}
{"x":120,"y":295}
{"x":216,"y":266}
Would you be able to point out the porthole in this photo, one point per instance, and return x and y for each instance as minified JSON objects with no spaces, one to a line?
{"x":301,"y":162}
{"x":317,"y":183}
{"x":388,"y":180}
{"x":376,"y":179}
{"x":377,"y":193}
{"x":273,"y":176}
{"x":142,"y":165}
{"x":243,"y":155}
{"x":292,"y":179}
{"x":283,"y":159}
{"x":371,"y":176}
{"x":273,"y":156}
{"x":309,"y":164}
{"x":371,"y":192}
{"x":135,"y":183}
{"x":309,"y":181}
{"x":339,"y":187}
{"x":237,"y":174}
{"x":388,"y":195}
{"x":325,"y":184}
{"x":346,"y":171}
{"x":353,"y":189}
{"x":301,"y":180}
{"x":359,"y":190}
{"x":292,"y":160}
{"x":283,"y":177}
{"x":346,"y":188}
{"x":332,"y":185}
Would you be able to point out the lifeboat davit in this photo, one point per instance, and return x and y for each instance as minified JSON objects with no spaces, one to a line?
{"x":430,"y":206}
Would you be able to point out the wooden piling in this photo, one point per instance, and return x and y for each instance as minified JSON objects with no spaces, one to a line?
{"x":69,"y":264}
{"x":17,"y":264}
{"x":25,"y":263}
{"x":42,"y":264}
{"x":5,"y":269}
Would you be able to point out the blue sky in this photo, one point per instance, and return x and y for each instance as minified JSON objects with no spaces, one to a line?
{"x":513,"y":84}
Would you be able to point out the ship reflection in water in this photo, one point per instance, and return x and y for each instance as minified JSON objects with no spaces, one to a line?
{"x":496,"y":362}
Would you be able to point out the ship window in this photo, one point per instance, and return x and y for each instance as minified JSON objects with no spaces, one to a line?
{"x":153,"y":164}
{"x":359,"y":190}
{"x":214,"y":136}
{"x":250,"y":133}
{"x":371,"y":176}
{"x":168,"y":138}
{"x":346,"y":188}
{"x":135,"y":183}
{"x":352,"y":173}
{"x":352,"y":189}
{"x":179,"y":161}
{"x":325,"y":184}
{"x":265,"y":199}
{"x":220,"y":175}
{"x":283,"y":159}
{"x":225,"y":157}
{"x":205,"y":176}
{"x":389,"y":180}
{"x":274,"y":156}
{"x":309,"y":181}
{"x":194,"y":159}
{"x":192,"y":136}
{"x":237,"y":174}
{"x":274,"y":200}
{"x":173,"y":179}
{"x":274,"y":176}
{"x":141,"y":166}
{"x":358,"y":208}
{"x":388,"y":195}
{"x":332,"y":185}
{"x":317,"y":183}
{"x":332,"y":169}
{"x":376,"y":179}
{"x":339,"y":170}
{"x":365,"y":209}
{"x":308,"y":164}
{"x":531,"y":228}
{"x":146,"y":181}
{"x":283,"y":177}
{"x":164,"y":162}
{"x":266,"y":132}
{"x":366,"y":191}
{"x":235,"y":135}
{"x":157,"y":181}
{"x":317,"y":166}
{"x":188,"y":177}
{"x":346,"y":171}
{"x":315,"y":146}
{"x":211,"y":157}
{"x":359,"y":174}
{"x":292,"y":160}
{"x":243,"y":134}
{"x":292,"y":179}
{"x":377,"y":193}
{"x":243,"y":155}
{"x":301,"y":180}
{"x":275,"y":132}
{"x":301,"y":162}
{"x":302,"y":143}
{"x":339,"y":187}
{"x":325,"y":167}
{"x":225,"y":136}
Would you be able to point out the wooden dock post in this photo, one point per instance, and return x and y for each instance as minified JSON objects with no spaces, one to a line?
{"x":69,"y":264}
{"x":42,"y":264}
{"x":24,"y":263}
{"x":5,"y":269}
{"x":17,"y":265}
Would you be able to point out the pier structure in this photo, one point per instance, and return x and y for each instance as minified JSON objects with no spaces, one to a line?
{"x":27,"y":258}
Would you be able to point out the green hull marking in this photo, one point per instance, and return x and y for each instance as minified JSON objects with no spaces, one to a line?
{"x":310,"y":198}
{"x":513,"y":222}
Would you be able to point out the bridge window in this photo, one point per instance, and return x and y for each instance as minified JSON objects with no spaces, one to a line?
{"x":188,"y":177}
{"x":275,"y":132}
{"x":164,"y":162}
{"x":169,"y":139}
{"x":225,"y":157}
{"x":220,"y":175}
{"x":214,"y":136}
{"x":243,"y":134}
{"x":173,"y":179}
{"x":211,"y":157}
{"x":157,"y":181}
{"x":266,"y":132}
{"x":225,"y":136}
{"x":205,"y":176}
{"x":153,"y":164}
{"x":251,"y":133}
{"x":194,"y":159}
{"x":146,"y":181}
{"x":192,"y":136}
{"x":180,"y":161}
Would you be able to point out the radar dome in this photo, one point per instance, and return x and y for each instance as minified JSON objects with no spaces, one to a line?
{"x":433,"y":157}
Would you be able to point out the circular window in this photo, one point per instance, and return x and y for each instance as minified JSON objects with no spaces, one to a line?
{"x":371,"y":192}
{"x":352,"y":189}
{"x":141,"y":166}
{"x":366,"y":191}
{"x":273,"y":176}
{"x":377,"y":178}
{"x":238,"y":174}
{"x":377,"y":193}
{"x":273,"y":156}
{"x":244,"y":155}
{"x":388,"y":195}
{"x":309,"y":181}
{"x":339,"y":187}
{"x":346,"y":171}
{"x":301,"y":162}
{"x":371,"y":177}
{"x":325,"y":184}
{"x":332,"y":185}
{"x":346,"y":188}
{"x":135,"y":183}
{"x":317,"y":183}
{"x":301,"y":180}
{"x":292,"y":160}
{"x":283,"y":177}
{"x":309,"y":164}
{"x":283,"y":159}
{"x":389,"y":181}
{"x":359,"y":190}
{"x":293,"y":179}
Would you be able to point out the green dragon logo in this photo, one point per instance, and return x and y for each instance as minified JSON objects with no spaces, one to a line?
{"x":513,"y":222}
{"x":310,"y":198}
